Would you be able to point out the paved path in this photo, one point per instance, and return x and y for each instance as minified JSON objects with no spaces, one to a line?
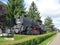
{"x":56,"y":41}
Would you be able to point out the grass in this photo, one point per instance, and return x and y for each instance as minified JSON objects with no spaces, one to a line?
{"x":47,"y":40}
{"x":18,"y":37}
{"x":21,"y":39}
{"x":2,"y":40}
{"x":17,"y":40}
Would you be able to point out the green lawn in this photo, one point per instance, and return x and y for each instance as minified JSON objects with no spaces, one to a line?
{"x":2,"y":40}
{"x":16,"y":37}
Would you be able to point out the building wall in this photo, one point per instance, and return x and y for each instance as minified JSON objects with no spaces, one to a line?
{"x":2,"y":16}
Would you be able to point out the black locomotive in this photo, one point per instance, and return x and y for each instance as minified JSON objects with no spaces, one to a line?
{"x":25,"y":25}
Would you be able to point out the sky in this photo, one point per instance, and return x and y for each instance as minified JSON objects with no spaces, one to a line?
{"x":46,"y":8}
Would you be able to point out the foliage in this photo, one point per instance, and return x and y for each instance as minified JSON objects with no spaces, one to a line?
{"x":49,"y":24}
{"x":15,"y":8}
{"x":47,"y":41}
{"x":33,"y":12}
{"x":37,"y":40}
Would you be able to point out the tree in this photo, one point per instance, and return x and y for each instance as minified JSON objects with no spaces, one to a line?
{"x":33,"y":12}
{"x":49,"y":24}
{"x":15,"y":8}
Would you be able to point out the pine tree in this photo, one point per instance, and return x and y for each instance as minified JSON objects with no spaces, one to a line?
{"x":15,"y":8}
{"x":49,"y":24}
{"x":33,"y":12}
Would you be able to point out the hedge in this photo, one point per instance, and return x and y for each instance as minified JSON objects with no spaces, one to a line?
{"x":35,"y":40}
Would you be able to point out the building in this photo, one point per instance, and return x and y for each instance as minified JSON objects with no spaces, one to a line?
{"x":3,"y":11}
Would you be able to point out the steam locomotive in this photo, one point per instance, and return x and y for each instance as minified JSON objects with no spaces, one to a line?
{"x":25,"y":25}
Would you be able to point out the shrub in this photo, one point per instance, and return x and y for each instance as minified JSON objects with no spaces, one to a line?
{"x":31,"y":39}
{"x":36,"y":40}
